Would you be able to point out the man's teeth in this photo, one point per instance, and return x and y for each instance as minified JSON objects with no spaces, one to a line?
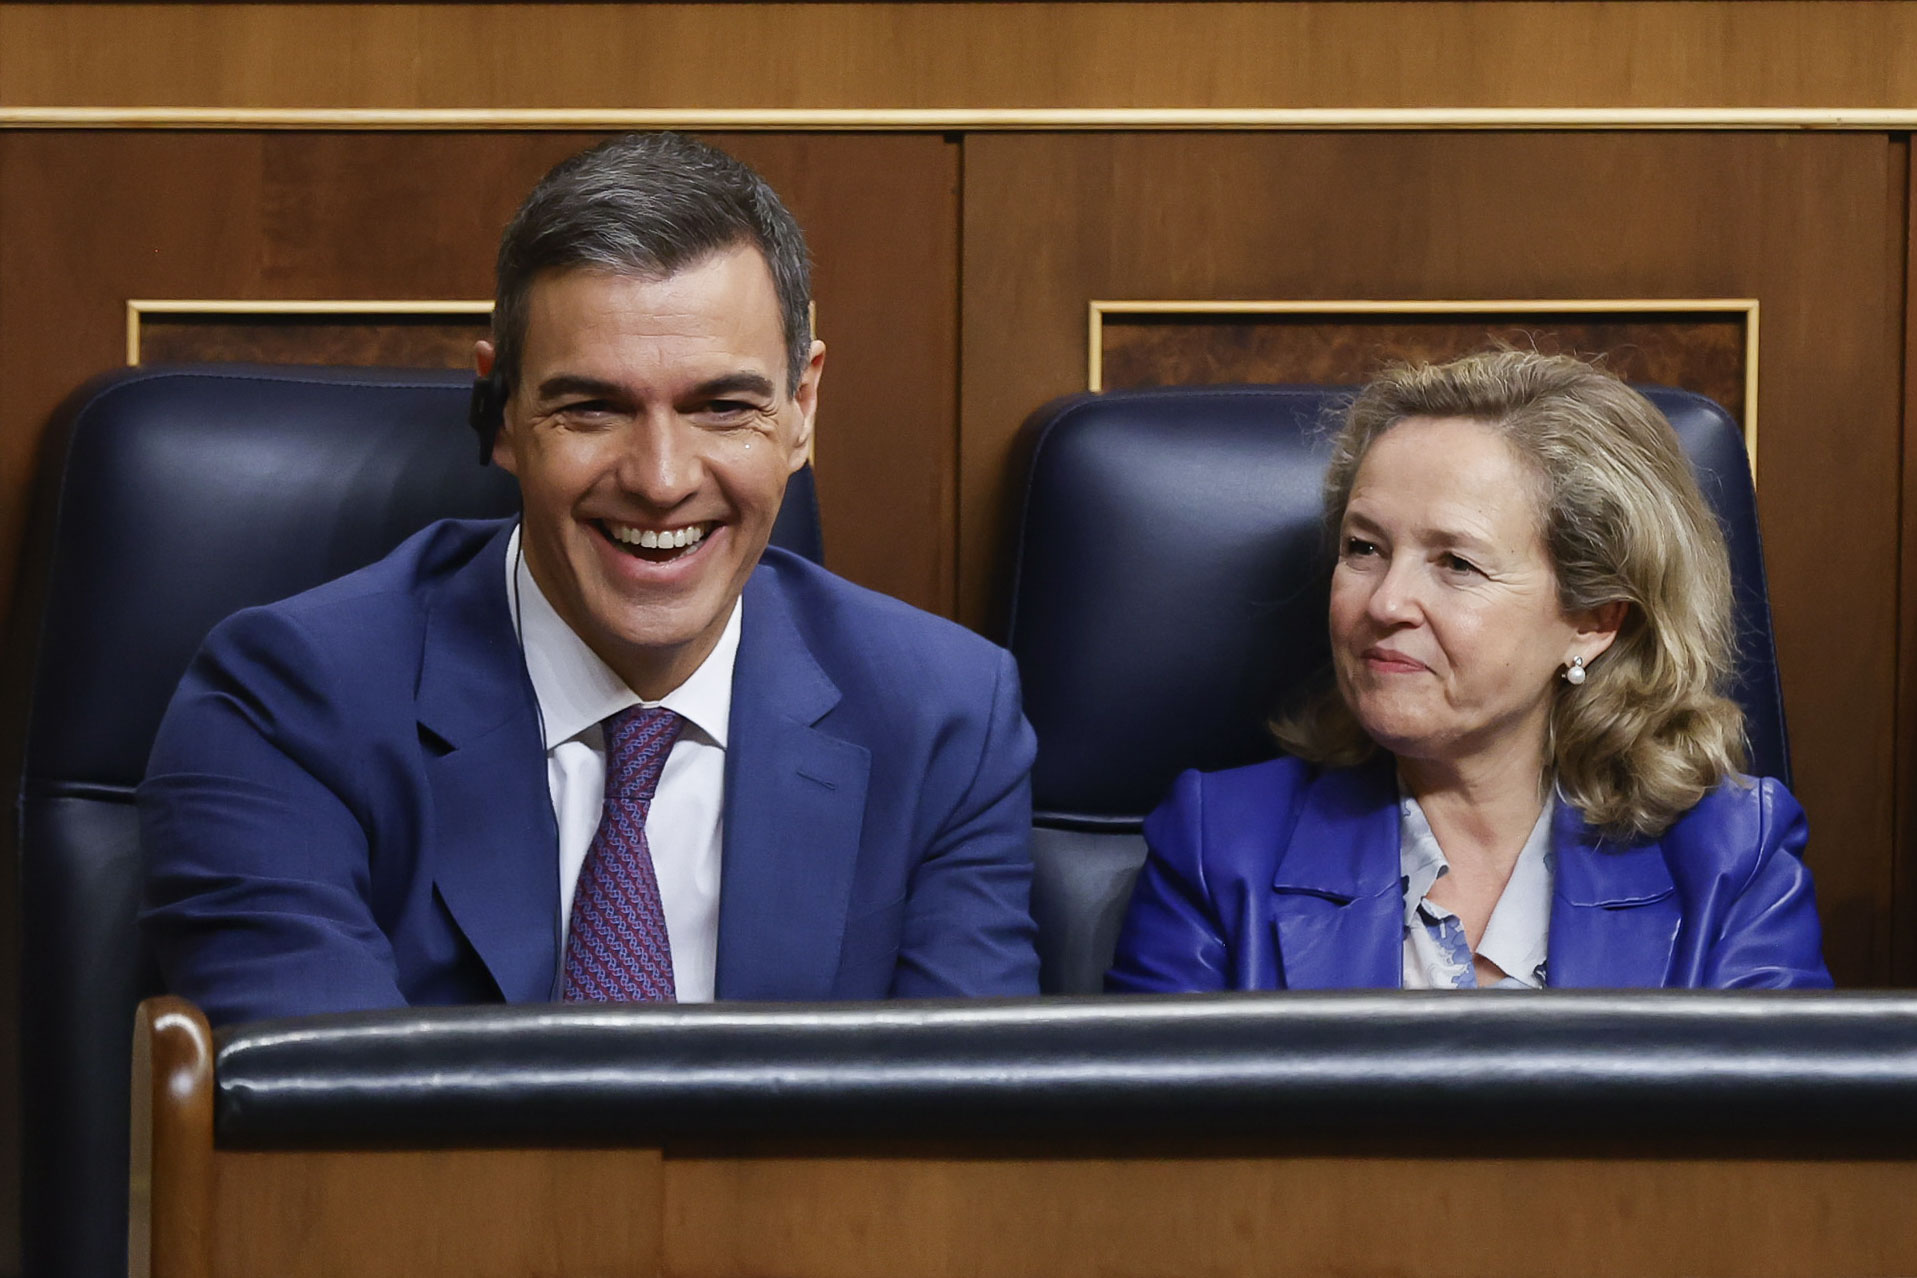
{"x":648,"y":539}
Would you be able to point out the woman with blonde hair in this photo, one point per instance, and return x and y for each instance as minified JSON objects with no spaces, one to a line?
{"x":1526,"y":774}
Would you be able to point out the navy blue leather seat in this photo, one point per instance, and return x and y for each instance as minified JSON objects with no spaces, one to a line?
{"x":170,"y":498}
{"x":1169,"y":593}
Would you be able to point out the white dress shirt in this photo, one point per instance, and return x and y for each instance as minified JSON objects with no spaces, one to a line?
{"x":685,"y":826}
{"x":1518,"y":935}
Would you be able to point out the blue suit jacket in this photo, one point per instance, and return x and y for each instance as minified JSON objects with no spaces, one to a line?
{"x":1283,"y":875}
{"x":346,"y":806}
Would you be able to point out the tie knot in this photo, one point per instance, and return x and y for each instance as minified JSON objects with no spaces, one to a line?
{"x":637,"y":742}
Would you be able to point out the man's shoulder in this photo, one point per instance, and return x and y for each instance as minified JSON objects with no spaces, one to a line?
{"x":856,"y":631}
{"x":398,"y":588}
{"x":350,"y":656}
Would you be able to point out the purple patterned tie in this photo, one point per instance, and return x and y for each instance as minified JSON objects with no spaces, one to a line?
{"x":617,"y":950}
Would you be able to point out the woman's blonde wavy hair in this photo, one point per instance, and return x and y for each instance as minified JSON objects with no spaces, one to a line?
{"x":1650,"y":732}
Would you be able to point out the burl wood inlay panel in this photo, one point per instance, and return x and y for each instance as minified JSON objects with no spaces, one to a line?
{"x":1697,"y":351}
{"x":424,"y":341}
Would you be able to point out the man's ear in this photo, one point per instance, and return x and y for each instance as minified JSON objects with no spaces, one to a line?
{"x":488,"y":413}
{"x":806,"y":397}
{"x":1597,"y":629}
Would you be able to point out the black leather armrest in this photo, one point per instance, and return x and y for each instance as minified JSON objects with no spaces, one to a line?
{"x":1818,"y":1072}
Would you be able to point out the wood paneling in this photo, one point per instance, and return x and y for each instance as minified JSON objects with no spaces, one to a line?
{"x":1163,"y":1215}
{"x":1171,"y":1218}
{"x":88,"y":220}
{"x":1722,"y":53}
{"x":1810,"y":225}
{"x":1904,"y":778}
{"x":405,"y":1213}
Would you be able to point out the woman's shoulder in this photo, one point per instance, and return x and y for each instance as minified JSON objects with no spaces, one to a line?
{"x":1258,"y":798}
{"x":1274,"y":783}
{"x":1743,"y":817}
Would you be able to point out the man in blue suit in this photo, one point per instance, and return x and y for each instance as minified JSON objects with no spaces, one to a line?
{"x":617,"y":748}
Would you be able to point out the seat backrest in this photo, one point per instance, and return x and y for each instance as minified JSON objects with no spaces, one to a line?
{"x":1169,"y":593}
{"x":169,"y":498}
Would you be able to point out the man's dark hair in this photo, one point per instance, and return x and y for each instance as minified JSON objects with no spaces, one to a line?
{"x":649,"y":204}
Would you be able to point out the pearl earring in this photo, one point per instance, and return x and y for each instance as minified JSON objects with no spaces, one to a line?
{"x":1574,"y":674}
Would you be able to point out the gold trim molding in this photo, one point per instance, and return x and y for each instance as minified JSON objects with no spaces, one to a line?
{"x":972,"y":119}
{"x":1490,"y":309}
{"x":137,"y":308}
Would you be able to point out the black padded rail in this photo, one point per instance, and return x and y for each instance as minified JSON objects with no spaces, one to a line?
{"x":1814,"y":1073}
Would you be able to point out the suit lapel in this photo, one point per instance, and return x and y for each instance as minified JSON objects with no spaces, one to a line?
{"x":795,"y":807}
{"x":496,"y":856}
{"x":1614,"y":917}
{"x":1337,"y":907}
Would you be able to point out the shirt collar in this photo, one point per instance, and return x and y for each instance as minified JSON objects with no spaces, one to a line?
{"x":1517,"y":935}
{"x":578,"y":691}
{"x":1420,"y":859}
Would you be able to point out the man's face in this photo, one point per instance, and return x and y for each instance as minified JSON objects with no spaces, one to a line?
{"x":652,"y":437}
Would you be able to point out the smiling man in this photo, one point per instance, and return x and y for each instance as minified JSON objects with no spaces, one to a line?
{"x":616,"y":749}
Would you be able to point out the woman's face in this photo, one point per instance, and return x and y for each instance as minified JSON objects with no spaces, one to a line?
{"x":1446,"y":632}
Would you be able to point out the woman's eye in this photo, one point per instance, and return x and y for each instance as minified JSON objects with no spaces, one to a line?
{"x":1458,"y":563}
{"x":1359,"y":548}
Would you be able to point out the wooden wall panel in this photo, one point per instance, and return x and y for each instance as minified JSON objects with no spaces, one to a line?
{"x":1812,"y":226}
{"x":92,"y":219}
{"x":411,"y":1213}
{"x":87,"y":221}
{"x":1329,"y":54}
{"x":1904,"y":779}
{"x":1310,"y":1216}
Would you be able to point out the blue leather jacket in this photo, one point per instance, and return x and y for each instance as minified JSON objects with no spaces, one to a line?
{"x":1284,"y":875}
